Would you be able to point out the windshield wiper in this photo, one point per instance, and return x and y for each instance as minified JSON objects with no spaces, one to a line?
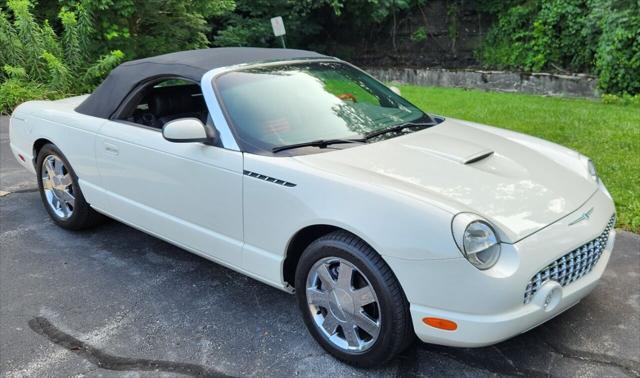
{"x":398,"y":128}
{"x":324,"y":143}
{"x":321,"y":143}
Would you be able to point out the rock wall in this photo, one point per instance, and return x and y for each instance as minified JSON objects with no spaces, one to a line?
{"x":578,"y":85}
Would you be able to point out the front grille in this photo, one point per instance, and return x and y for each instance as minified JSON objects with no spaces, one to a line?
{"x":571,"y":266}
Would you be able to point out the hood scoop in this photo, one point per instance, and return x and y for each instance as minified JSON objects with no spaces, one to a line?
{"x":451,"y":148}
{"x":478,"y":157}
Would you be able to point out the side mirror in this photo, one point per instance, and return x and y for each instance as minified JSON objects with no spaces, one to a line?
{"x":185,"y":130}
{"x":395,"y":90}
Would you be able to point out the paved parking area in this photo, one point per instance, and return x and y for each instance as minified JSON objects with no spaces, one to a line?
{"x":116,"y":302}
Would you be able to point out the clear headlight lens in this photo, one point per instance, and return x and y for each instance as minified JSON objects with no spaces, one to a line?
{"x":481,"y":246}
{"x":476,"y":239}
{"x":592,"y":171}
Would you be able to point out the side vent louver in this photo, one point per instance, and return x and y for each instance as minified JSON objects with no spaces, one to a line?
{"x":269,"y":179}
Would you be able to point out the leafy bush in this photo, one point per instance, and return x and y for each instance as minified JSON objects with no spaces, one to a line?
{"x":598,"y":36}
{"x":625,"y":99}
{"x":419,"y":35}
{"x":15,"y":91}
{"x":38,"y":63}
{"x":617,"y":62}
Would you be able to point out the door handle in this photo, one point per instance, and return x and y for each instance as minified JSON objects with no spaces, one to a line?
{"x":112,"y":149}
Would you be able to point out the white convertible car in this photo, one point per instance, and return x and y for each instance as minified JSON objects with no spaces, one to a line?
{"x":304,"y":172}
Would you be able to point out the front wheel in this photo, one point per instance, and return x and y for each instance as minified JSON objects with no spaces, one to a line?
{"x":60,"y":192}
{"x":351,"y":301}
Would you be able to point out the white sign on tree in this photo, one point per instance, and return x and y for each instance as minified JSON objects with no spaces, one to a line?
{"x":278,"y":28}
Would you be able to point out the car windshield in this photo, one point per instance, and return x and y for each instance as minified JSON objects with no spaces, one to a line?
{"x":280,"y":105}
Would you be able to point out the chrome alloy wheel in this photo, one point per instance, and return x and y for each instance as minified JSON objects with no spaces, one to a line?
{"x":57,"y":186}
{"x":343,"y":304}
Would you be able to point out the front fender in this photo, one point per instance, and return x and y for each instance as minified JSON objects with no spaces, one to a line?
{"x":398,"y":225}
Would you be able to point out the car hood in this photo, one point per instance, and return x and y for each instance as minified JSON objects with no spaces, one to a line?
{"x":466,"y":169}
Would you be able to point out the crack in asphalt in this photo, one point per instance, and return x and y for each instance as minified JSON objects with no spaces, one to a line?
{"x":408,"y":362}
{"x":464,"y":357}
{"x":628,"y":366}
{"x":105,"y":360}
{"x":496,"y":366}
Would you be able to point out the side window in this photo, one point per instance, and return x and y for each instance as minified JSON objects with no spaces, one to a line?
{"x":163,"y":101}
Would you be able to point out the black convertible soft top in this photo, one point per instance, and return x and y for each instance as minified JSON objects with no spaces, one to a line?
{"x":192,"y":65}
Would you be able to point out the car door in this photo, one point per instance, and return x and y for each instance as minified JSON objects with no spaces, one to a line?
{"x":187,"y":193}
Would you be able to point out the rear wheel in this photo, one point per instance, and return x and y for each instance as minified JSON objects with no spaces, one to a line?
{"x":60,"y":192}
{"x":351,"y":302}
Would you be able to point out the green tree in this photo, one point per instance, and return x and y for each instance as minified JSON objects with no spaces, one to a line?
{"x":250,"y":24}
{"x":143,"y":28}
{"x":333,"y":26}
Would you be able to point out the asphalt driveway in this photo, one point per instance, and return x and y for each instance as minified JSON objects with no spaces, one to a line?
{"x":116,"y":302}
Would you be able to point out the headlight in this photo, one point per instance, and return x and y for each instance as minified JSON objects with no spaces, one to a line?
{"x":593,"y":174}
{"x":476,"y":239}
{"x":592,"y":171}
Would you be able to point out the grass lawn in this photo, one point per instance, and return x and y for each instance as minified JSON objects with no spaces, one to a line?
{"x":608,"y":134}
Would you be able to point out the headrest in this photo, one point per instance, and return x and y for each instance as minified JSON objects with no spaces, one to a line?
{"x":178,"y":99}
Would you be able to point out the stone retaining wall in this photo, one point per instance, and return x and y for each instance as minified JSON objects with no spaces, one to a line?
{"x":578,"y":85}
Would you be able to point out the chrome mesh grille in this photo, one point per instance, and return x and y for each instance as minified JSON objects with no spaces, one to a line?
{"x":571,"y":266}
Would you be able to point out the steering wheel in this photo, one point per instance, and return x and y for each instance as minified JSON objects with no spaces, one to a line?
{"x":347,"y":96}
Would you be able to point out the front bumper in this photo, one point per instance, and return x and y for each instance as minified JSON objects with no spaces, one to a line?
{"x":488,"y":306}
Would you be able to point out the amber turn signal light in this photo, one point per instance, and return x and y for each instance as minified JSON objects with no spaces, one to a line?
{"x":445,"y":324}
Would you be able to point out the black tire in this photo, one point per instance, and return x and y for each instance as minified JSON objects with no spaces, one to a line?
{"x":396,"y":330}
{"x":82,"y":216}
